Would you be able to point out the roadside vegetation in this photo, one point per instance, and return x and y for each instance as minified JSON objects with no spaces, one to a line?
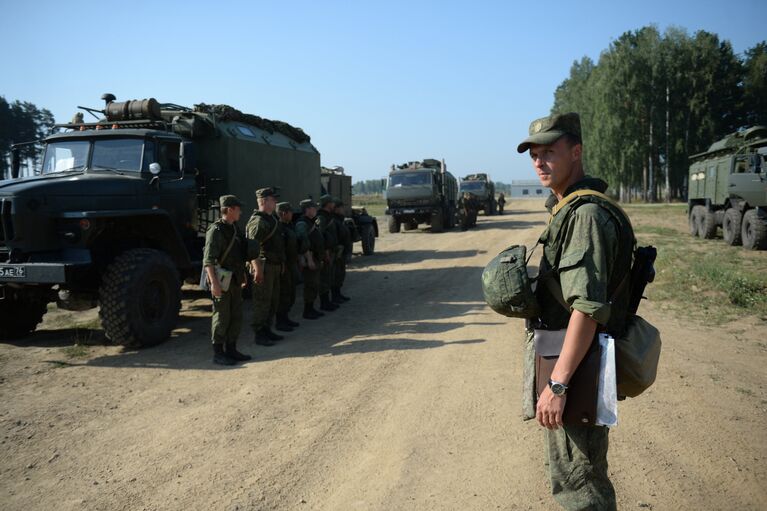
{"x":705,"y":279}
{"x":374,"y":203}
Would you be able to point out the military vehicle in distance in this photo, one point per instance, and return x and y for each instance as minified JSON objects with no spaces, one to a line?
{"x":728,"y":188}
{"x":421,"y":192}
{"x":364,"y":228}
{"x":483,"y":189}
{"x":117,"y":215}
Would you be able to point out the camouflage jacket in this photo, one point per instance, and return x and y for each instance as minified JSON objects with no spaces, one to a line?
{"x":217,"y":240}
{"x":291,"y":242}
{"x":309,"y":237}
{"x":265,"y":229}
{"x":589,"y":247}
{"x":327,"y":226}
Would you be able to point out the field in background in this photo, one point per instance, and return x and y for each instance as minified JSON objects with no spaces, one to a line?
{"x":374,"y":203}
{"x":705,"y":279}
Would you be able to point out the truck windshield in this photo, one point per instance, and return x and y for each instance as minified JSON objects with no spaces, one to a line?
{"x":67,"y":155}
{"x":410,"y":179}
{"x":472,"y":186}
{"x":122,"y":154}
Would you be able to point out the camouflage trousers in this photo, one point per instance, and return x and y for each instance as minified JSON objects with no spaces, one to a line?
{"x":266,"y":297}
{"x":577,"y":462}
{"x":226,"y":321}
{"x":287,"y":289}
{"x":311,"y":284}
{"x":326,"y":276}
{"x":339,"y":272}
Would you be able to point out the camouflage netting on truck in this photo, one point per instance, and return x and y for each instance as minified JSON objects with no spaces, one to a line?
{"x":228,"y":113}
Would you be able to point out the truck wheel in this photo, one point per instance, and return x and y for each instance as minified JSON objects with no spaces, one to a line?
{"x":368,"y":239}
{"x":393,"y":225}
{"x":693,"y":220}
{"x":708,"y":224}
{"x":437,"y":222}
{"x":731,"y":226}
{"x":22,"y":311}
{"x":754,"y":231}
{"x":140,"y":298}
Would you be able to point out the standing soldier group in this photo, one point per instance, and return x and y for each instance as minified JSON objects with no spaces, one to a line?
{"x":275,"y":251}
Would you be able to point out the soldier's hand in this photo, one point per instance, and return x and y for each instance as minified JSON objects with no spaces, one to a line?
{"x":215,"y":289}
{"x":549,"y":409}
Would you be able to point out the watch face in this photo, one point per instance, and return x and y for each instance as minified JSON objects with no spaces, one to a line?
{"x":558,"y":389}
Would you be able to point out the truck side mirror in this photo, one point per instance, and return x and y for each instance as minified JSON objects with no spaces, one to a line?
{"x":186,"y":157}
{"x":15,"y":163}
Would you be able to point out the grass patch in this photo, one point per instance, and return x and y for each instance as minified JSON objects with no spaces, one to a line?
{"x":75,"y":351}
{"x":706,"y":279}
{"x":374,"y":203}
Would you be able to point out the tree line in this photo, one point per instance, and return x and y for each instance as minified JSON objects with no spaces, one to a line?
{"x":652,"y":100}
{"x":22,"y":121}
{"x":375,"y":187}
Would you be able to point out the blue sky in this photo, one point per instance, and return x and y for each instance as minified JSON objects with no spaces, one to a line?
{"x":373,"y":83}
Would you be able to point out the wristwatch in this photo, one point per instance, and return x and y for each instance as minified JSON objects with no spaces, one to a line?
{"x":558,"y":389}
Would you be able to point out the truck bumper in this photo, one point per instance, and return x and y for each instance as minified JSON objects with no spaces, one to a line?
{"x":58,"y":271}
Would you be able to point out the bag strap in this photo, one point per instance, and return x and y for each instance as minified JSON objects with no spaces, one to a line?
{"x":276,"y":224}
{"x":583,"y":192}
{"x":231,"y":244}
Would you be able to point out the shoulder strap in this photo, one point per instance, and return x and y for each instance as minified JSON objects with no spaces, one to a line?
{"x":581,"y":193}
{"x":231,"y":244}
{"x":276,"y":224}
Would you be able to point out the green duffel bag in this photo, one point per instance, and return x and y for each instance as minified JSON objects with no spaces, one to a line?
{"x":506,"y":285}
{"x":636,"y":357}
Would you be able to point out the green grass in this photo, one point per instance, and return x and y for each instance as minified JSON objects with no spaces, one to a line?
{"x":374,"y":203}
{"x":75,"y":351}
{"x":705,"y":279}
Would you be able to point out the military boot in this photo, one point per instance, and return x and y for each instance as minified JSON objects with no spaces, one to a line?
{"x":281,"y":324}
{"x":326,"y":304}
{"x":261,"y":339}
{"x":341,"y":296}
{"x":310,"y":312}
{"x":290,"y":322}
{"x":231,"y":352}
{"x":335,"y":296}
{"x":271,"y":335}
{"x":221,"y":358}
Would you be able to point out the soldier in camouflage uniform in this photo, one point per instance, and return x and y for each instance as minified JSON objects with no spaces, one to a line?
{"x":326,"y":223}
{"x":468,"y":205}
{"x":590,"y":256}
{"x":267,"y":266}
{"x":343,"y":251}
{"x":311,"y":249}
{"x":290,"y":274}
{"x":501,"y":202}
{"x":224,"y":246}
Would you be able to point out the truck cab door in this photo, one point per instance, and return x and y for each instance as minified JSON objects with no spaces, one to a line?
{"x":747,"y":180}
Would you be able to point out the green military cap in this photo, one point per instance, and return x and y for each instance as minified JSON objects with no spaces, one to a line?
{"x":547,"y":130}
{"x":307,"y":203}
{"x":326,"y":199}
{"x":284,"y":206}
{"x":270,"y":191}
{"x":229,"y":201}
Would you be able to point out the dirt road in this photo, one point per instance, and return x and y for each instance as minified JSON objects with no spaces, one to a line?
{"x":408,"y":397}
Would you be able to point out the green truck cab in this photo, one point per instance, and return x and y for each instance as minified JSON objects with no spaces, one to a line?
{"x":727,"y":188}
{"x":421,"y":192}
{"x":483,"y":189}
{"x":117,"y":215}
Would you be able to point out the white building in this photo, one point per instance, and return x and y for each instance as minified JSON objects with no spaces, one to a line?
{"x":528,"y":189}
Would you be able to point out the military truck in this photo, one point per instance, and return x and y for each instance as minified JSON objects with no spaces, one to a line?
{"x":421,"y":192}
{"x":728,"y":188}
{"x":364,"y":228}
{"x":117,"y":214}
{"x":483,"y":189}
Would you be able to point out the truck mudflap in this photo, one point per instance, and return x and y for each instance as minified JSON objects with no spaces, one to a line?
{"x":37,"y":273}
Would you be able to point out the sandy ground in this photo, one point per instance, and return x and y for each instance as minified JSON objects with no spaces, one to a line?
{"x":408,"y":397}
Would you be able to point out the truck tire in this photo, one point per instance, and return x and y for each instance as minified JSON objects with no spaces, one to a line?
{"x":693,"y":220}
{"x":708,"y":224}
{"x":368,"y":234}
{"x":437,"y":222}
{"x":139,"y":298}
{"x":393,"y":225}
{"x":731,"y":226}
{"x":754,"y":231}
{"x":21,"y":312}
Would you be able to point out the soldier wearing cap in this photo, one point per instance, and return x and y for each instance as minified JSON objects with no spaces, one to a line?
{"x":587,"y":257}
{"x":224,"y":247}
{"x":267,"y":265}
{"x":343,"y":252}
{"x":326,"y":224}
{"x":501,"y":202}
{"x":289,"y":276}
{"x":311,"y":248}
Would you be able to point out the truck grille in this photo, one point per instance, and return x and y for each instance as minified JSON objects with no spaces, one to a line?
{"x":6,"y":221}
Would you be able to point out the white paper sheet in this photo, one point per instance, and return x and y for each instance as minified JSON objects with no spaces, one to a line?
{"x":607,"y":396}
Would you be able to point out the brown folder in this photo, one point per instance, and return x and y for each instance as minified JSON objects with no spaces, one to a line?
{"x":581,"y":405}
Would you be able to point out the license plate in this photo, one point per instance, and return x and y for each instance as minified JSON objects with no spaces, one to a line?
{"x":408,"y":211}
{"x":13,"y":272}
